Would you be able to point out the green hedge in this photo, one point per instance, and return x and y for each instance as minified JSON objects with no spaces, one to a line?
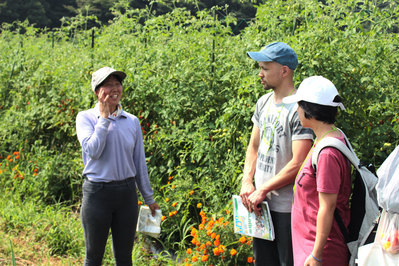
{"x":194,"y":90}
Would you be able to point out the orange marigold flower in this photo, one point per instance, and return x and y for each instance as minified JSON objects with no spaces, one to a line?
{"x":243,"y":240}
{"x":233,"y":252}
{"x":204,"y":258}
{"x":171,"y":177}
{"x":167,"y":199}
{"x":191,"y":192}
{"x":222,"y":248}
{"x":34,"y":174}
{"x":208,"y":244}
{"x":8,"y":157}
{"x":170,"y":214}
{"x":140,"y":203}
{"x":216,"y":252}
{"x":17,"y":157}
{"x":174,"y":204}
{"x":173,"y":186}
{"x":189,"y":251}
{"x":202,"y":213}
{"x":202,"y":247}
{"x":208,"y":232}
{"x":216,"y":242}
{"x":15,"y":153}
{"x":210,"y":224}
{"x":193,"y":231}
{"x":194,"y":259}
{"x":35,"y":170}
{"x":205,"y":251}
{"x":250,"y":260}
{"x":201,"y":226}
{"x":213,"y":235}
{"x":217,"y":237}
{"x":227,"y":211}
{"x":163,"y":218}
{"x":199,"y":205}
{"x":174,"y":212}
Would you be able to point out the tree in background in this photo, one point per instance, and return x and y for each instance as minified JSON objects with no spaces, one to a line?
{"x":48,"y":13}
{"x":42,"y":13}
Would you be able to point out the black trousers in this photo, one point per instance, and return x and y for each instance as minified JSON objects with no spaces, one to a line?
{"x":279,"y":251}
{"x":108,"y":206}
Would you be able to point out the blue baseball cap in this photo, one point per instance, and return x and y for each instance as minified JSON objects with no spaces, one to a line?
{"x":278,"y":52}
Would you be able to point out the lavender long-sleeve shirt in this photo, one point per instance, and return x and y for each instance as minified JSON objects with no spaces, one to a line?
{"x":113,"y":149}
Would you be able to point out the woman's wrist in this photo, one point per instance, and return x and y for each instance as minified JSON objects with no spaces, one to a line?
{"x":317,"y":259}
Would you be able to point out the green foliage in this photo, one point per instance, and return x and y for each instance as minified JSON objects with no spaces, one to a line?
{"x":194,"y":90}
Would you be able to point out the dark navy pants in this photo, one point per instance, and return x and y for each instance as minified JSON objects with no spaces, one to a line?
{"x":279,"y":251}
{"x":108,"y":206}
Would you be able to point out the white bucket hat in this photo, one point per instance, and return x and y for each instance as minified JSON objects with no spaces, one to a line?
{"x":103,"y":73}
{"x":315,"y":89}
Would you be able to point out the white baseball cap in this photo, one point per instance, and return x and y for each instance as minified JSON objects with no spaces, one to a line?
{"x":315,"y":89}
{"x":103,"y":73}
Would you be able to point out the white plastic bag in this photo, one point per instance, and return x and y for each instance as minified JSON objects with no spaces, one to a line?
{"x":388,"y":232}
{"x":373,"y":255}
{"x":384,"y":251}
{"x":388,"y":183}
{"x":148,"y":224}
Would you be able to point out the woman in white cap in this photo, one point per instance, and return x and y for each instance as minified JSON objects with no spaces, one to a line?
{"x":114,"y":163}
{"x":316,"y":238}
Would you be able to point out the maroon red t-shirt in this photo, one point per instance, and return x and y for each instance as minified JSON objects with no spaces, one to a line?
{"x":333,"y":176}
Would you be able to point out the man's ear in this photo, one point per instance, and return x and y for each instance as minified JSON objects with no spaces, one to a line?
{"x":285,"y":70}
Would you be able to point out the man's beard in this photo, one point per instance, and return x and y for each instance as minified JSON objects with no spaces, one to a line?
{"x":268,"y":87}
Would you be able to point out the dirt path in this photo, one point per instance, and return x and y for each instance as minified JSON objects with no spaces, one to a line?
{"x":27,"y":251}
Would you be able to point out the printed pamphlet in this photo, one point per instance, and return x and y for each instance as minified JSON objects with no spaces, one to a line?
{"x":249,"y":224}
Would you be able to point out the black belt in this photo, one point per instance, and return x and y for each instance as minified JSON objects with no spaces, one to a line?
{"x":112,"y":182}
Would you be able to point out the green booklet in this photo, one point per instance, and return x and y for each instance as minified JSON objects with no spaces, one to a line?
{"x":249,"y":224}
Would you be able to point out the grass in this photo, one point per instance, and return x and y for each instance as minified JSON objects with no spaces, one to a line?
{"x":34,"y":234}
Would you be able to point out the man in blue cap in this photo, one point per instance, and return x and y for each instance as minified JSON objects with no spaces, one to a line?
{"x":277,"y":149}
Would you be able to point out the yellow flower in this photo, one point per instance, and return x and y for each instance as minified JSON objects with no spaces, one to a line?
{"x":191,"y":192}
{"x":199,"y":205}
{"x":189,"y":251}
{"x":194,"y":259}
{"x":174,"y":204}
{"x":243,"y":240}
{"x":167,"y":199}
